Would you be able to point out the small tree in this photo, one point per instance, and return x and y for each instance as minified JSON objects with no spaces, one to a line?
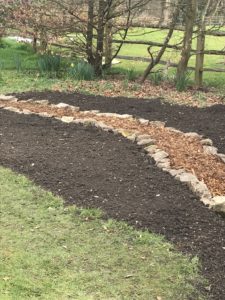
{"x":97,"y":22}
{"x":155,"y":60}
{"x":190,"y":17}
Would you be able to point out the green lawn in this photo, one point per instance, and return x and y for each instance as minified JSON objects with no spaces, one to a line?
{"x":211,"y":61}
{"x":19,"y":67}
{"x":52,"y":252}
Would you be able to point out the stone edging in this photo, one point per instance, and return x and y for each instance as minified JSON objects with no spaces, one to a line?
{"x":160,"y":157}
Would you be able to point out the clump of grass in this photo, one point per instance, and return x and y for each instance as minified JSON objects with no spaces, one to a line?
{"x":81,"y":70}
{"x":125,"y":84}
{"x":18,"y":63}
{"x":1,"y":68}
{"x":182,"y":82}
{"x":49,"y":64}
{"x":130,"y":74}
{"x":157,"y":78}
{"x":49,"y":251}
{"x":25,"y":47}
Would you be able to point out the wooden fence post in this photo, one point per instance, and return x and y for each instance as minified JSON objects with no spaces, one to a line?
{"x":200,"y":57}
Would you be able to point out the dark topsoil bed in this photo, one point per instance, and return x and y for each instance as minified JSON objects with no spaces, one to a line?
{"x":209,"y":122}
{"x":92,"y":168}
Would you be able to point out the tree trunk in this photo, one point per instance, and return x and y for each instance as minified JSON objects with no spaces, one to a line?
{"x":90,"y":27}
{"x":34,"y":45}
{"x":165,"y":16}
{"x":191,"y":8}
{"x":108,"y":44}
{"x":155,"y":61}
{"x":100,"y":38}
{"x":43,"y":41}
{"x":200,"y":57}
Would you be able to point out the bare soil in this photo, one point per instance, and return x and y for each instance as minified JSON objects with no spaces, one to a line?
{"x":209,"y":121}
{"x":184,"y":152}
{"x":92,"y":168}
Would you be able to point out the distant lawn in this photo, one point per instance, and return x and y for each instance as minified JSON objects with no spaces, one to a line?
{"x":211,"y":61}
{"x":52,"y":252}
{"x":19,"y":64}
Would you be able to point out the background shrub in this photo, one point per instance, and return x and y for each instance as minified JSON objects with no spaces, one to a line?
{"x":49,"y":64}
{"x":81,"y":70}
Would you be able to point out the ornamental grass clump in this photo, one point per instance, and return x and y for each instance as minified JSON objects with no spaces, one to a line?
{"x":182,"y":82}
{"x":82,"y":70}
{"x":49,"y":64}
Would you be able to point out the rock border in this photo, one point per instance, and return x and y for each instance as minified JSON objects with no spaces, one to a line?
{"x":160,"y":157}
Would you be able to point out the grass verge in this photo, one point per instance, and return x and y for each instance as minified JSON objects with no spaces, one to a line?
{"x":52,"y":252}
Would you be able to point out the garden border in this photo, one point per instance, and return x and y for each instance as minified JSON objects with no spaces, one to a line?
{"x":160,"y":157}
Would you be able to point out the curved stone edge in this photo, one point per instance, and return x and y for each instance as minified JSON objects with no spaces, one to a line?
{"x":160,"y":157}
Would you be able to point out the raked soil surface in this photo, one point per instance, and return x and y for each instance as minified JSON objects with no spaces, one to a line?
{"x":209,"y":121}
{"x":92,"y":168}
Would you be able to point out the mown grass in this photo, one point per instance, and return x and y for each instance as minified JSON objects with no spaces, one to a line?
{"x":212,"y":79}
{"x":49,"y":251}
{"x":19,"y":67}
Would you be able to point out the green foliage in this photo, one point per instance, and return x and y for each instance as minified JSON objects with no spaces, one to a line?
{"x":182,"y":81}
{"x":49,"y":251}
{"x":81,"y":70}
{"x":157,"y":78}
{"x":1,"y":68}
{"x":130,"y":74}
{"x":18,"y":63}
{"x":49,"y":64}
{"x":125,"y":84}
{"x":25,"y":47}
{"x":1,"y":43}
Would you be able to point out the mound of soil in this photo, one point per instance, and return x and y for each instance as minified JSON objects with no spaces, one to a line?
{"x":92,"y":168}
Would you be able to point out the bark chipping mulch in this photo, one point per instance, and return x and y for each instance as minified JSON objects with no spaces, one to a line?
{"x":209,"y":121}
{"x":92,"y":168}
{"x":184,"y":152}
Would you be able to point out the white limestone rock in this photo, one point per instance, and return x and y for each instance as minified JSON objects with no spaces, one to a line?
{"x":193,"y":135}
{"x":90,"y":121}
{"x":8,"y":98}
{"x":158,"y":123}
{"x":124,"y":116}
{"x":146,"y":142}
{"x":27,"y":112}
{"x":207,"y":142}
{"x":221,"y":156}
{"x":186,"y":177}
{"x":132,"y":137}
{"x":152,"y":149}
{"x":200,"y":189}
{"x":78,"y":121}
{"x":143,"y":137}
{"x":159,"y":156}
{"x":219,"y":204}
{"x":62,"y":105}
{"x":13,"y":109}
{"x":107,"y":115}
{"x":175,"y":172}
{"x":210,"y":150}
{"x":174,"y":130}
{"x":43,"y":102}
{"x":164,"y":164}
{"x":66,"y":119}
{"x":45,"y":114}
{"x":93,"y":111}
{"x":75,"y":108}
{"x":143,"y":121}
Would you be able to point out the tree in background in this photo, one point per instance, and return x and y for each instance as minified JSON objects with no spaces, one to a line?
{"x":40,"y":19}
{"x":156,"y":59}
{"x":190,"y":8}
{"x":99,"y":21}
